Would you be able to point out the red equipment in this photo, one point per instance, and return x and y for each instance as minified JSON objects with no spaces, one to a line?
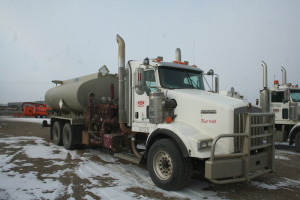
{"x":36,"y":110}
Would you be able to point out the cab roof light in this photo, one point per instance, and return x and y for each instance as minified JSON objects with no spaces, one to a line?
{"x":157,"y":59}
{"x":182,"y":63}
{"x":160,"y":58}
{"x":295,"y":86}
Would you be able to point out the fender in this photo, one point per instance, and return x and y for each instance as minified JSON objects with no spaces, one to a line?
{"x":293,"y":133}
{"x":164,"y":133}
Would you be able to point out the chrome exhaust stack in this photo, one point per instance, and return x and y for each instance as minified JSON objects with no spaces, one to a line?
{"x":265,"y":94}
{"x":265,"y":75}
{"x":121,"y":59}
{"x":178,"y":55}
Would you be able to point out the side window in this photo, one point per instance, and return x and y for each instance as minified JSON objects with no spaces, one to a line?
{"x":277,"y":96}
{"x":150,"y":81}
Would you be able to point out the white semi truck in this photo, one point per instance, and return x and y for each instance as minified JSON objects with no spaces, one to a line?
{"x":159,"y":113}
{"x":283,"y":100}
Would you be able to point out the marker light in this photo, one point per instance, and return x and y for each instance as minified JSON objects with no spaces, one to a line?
{"x":168,"y":120}
{"x":182,"y":63}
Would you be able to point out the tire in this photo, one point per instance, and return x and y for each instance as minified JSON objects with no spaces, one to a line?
{"x":68,"y":137}
{"x":297,"y":141}
{"x":57,"y":133}
{"x":167,"y":167}
{"x":38,"y":116}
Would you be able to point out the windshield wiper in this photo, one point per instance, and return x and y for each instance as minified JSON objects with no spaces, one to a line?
{"x":191,"y":82}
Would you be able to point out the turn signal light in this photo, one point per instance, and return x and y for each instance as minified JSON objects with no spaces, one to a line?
{"x":168,"y":120}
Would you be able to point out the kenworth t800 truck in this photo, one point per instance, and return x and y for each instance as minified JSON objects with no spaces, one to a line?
{"x":159,"y":114}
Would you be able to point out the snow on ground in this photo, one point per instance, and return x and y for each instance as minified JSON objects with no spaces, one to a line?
{"x":28,"y":171}
{"x":25,"y":119}
{"x":32,"y":168}
{"x":284,"y":183}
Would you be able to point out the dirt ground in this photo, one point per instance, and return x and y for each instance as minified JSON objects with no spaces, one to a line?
{"x":284,"y":183}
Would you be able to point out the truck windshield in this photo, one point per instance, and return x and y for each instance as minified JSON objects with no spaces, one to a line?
{"x":295,"y":95}
{"x":176,"y":78}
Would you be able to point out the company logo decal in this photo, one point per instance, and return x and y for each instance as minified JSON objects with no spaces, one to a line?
{"x":140,"y":103}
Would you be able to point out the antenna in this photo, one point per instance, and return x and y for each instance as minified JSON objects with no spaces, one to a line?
{"x":194,"y":60}
{"x":148,"y":45}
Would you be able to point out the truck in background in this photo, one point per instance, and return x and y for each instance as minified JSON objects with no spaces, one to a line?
{"x":159,"y":114}
{"x":32,"y":109}
{"x":283,"y":100}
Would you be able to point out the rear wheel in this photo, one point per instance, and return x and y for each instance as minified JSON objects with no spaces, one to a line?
{"x":57,"y":133}
{"x":38,"y":116}
{"x":68,"y":137}
{"x":167,"y":167}
{"x":297,"y":141}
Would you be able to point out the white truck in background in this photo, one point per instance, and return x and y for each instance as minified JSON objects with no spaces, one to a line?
{"x":283,"y":100}
{"x":164,"y":105}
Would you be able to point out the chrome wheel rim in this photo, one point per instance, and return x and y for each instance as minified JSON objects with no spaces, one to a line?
{"x":162,"y":165}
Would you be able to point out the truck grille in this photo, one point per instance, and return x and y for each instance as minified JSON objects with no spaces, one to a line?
{"x":256,"y":126}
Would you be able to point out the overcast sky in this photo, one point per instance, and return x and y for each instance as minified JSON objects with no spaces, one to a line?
{"x":41,"y":40}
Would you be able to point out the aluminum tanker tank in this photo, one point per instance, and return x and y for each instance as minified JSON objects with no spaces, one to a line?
{"x":72,"y":95}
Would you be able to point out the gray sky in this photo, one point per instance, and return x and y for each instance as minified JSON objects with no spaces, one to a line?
{"x":41,"y":40}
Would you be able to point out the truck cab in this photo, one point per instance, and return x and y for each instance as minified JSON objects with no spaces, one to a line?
{"x":284,"y":101}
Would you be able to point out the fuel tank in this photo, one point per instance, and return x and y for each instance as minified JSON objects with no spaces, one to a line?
{"x":73,"y":95}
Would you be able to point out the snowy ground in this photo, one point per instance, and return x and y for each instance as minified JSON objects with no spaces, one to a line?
{"x":32,"y":120}
{"x":33,"y":168}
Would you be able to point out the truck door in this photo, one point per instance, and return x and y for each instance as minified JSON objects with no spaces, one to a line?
{"x":280,"y":109}
{"x":141,"y":102}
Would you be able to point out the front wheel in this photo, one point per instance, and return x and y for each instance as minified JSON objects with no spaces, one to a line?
{"x":167,"y":167}
{"x":297,"y":142}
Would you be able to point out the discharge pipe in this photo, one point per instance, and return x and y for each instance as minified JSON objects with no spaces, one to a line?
{"x":283,"y":75}
{"x":122,"y":111}
{"x":265,"y":80}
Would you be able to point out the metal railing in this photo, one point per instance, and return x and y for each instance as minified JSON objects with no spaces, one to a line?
{"x":256,"y":156}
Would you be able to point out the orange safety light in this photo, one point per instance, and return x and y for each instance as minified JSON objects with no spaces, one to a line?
{"x":276,"y":82}
{"x":169,"y":120}
{"x":182,"y":63}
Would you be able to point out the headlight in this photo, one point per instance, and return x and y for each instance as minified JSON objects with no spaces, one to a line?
{"x":204,"y":144}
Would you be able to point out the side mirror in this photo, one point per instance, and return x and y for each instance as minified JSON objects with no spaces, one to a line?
{"x":216,"y":84}
{"x":210,"y":72}
{"x":139,"y":81}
